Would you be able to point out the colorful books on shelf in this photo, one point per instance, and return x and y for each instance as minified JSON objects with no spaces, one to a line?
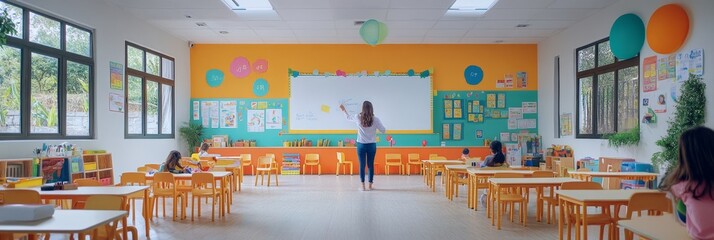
{"x":291,"y":164}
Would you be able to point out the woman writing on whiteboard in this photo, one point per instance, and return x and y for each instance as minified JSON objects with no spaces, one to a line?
{"x":367,"y":126}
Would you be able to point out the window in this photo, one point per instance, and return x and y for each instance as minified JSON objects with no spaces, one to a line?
{"x":607,"y":91}
{"x":150,"y":93}
{"x":46,"y":78}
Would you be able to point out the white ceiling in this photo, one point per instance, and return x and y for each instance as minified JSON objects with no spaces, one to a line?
{"x":332,"y":21}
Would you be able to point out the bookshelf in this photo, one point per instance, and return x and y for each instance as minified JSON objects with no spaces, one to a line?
{"x":291,"y":164}
{"x":97,"y":166}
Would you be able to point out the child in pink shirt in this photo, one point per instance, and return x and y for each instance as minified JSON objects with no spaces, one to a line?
{"x":692,"y":181}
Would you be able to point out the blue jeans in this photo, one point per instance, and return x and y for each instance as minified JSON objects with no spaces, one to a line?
{"x":366,"y":152}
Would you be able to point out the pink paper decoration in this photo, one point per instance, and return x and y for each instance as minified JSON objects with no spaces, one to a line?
{"x":341,"y":73}
{"x":260,"y":65}
{"x":240,"y":67}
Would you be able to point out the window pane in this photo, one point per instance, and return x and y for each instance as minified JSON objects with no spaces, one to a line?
{"x":135,"y":58}
{"x":152,"y":107}
{"x":586,"y":58}
{"x":15,"y":13}
{"x":167,"y":125}
{"x":604,"y":55}
{"x":77,"y":99}
{"x":44,"y":31}
{"x":167,"y":68}
{"x":152,"y":64}
{"x":585,"y":106}
{"x":628,"y":99}
{"x":10,"y":58}
{"x":606,"y":103}
{"x":44,"y":94}
{"x":78,"y":41}
{"x":135,"y":107}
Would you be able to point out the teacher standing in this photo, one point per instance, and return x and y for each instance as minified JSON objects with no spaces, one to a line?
{"x":367,"y":125}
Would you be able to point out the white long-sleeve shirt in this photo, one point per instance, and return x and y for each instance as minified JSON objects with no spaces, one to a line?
{"x":366,"y":134}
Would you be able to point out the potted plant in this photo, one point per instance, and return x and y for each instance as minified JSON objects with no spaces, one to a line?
{"x":7,"y":26}
{"x":626,"y":138}
{"x":191,"y":132}
{"x":689,"y":113}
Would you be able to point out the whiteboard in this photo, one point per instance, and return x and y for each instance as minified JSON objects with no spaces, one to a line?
{"x":403,"y":103}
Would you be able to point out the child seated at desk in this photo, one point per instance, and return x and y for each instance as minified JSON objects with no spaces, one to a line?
{"x":172,"y":163}
{"x":465,"y":155}
{"x":497,"y":159}
{"x":691,"y":181}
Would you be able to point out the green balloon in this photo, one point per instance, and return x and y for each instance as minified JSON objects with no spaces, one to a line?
{"x":373,"y":32}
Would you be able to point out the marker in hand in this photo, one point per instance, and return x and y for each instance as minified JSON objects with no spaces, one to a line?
{"x":342,"y":107}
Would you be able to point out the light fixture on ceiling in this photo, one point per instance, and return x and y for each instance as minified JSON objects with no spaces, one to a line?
{"x":478,"y":7}
{"x":223,"y":32}
{"x":243,"y":5}
{"x":201,"y":24}
{"x":359,"y":23}
{"x":522,"y":25}
{"x":188,"y":16}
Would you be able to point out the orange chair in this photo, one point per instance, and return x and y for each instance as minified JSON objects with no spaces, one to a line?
{"x":276,"y":167}
{"x":341,"y":162}
{"x":134,"y":179}
{"x":87,"y":182}
{"x":549,"y":200}
{"x":602,"y":219}
{"x":104,"y":202}
{"x":655,"y":203}
{"x":247,"y":162}
{"x":312,"y":159}
{"x":165,"y":186}
{"x":19,"y":196}
{"x":393,"y":160}
{"x":265,"y":165}
{"x":204,"y":186}
{"x":413,"y":159}
{"x":153,"y":166}
{"x":509,"y":196}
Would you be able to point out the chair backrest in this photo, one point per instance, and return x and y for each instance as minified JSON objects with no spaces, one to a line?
{"x":143,"y":169}
{"x":20,"y":196}
{"x":580,"y":186}
{"x":340,"y":157}
{"x":153,"y":166}
{"x":265,"y":162}
{"x":164,"y":178}
{"x":508,"y":175}
{"x":203,"y":180}
{"x":271,"y":155}
{"x":246,"y":159}
{"x":655,"y":203}
{"x":414,"y":158}
{"x":438,"y":158}
{"x":313,"y":158}
{"x":87,"y":182}
{"x":583,"y":170}
{"x":393,"y":158}
{"x":434,"y":157}
{"x":133,"y":179}
{"x":543,"y":174}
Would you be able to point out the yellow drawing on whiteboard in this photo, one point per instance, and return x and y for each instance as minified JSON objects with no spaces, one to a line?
{"x":325,"y":108}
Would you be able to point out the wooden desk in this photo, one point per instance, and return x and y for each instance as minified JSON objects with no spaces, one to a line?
{"x":82,"y":193}
{"x":581,"y":199}
{"x":480,"y":176}
{"x":643,"y":176}
{"x":452,"y":173}
{"x":433,"y":166}
{"x":64,"y":221}
{"x":497,"y":183}
{"x":656,"y":227}
{"x":217,"y":176}
{"x":237,"y":165}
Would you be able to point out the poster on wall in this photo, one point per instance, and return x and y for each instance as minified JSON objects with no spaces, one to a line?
{"x":690,"y":62}
{"x":256,"y":120}
{"x":479,"y":134}
{"x":513,"y":154}
{"x":491,"y":100}
{"x":228,"y":114}
{"x":445,"y":131}
{"x":509,"y":80}
{"x":196,"y":110}
{"x":457,"y":131}
{"x":666,"y":67}
{"x":515,"y":113}
{"x":116,"y":75}
{"x":660,"y":106}
{"x":566,"y":124}
{"x":116,"y":102}
{"x":505,"y":137}
{"x":649,"y":70}
{"x":521,"y":80}
{"x":500,"y":83}
{"x":512,"y":124}
{"x":274,"y":119}
{"x":529,"y":107}
{"x":501,"y":100}
{"x":209,"y":114}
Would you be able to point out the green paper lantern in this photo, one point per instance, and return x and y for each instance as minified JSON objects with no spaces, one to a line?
{"x":627,"y":36}
{"x":373,"y":32}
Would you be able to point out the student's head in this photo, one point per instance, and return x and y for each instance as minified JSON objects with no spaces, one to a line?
{"x":497,"y":150}
{"x":174,"y":159}
{"x":496,"y":147}
{"x":367,"y":116}
{"x":204,"y":147}
{"x":465,"y":151}
{"x":695,"y":163}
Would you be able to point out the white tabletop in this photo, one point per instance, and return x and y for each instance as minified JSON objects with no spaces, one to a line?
{"x":64,"y":221}
{"x":228,"y":157}
{"x":457,"y":167}
{"x":445,"y":161}
{"x":531,"y":181}
{"x":188,"y":175}
{"x":600,"y":195}
{"x":89,"y":191}
{"x":615,"y":174}
{"x":486,"y":171}
{"x":656,"y":227}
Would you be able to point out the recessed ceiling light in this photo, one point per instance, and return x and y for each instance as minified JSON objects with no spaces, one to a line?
{"x":241,"y":5}
{"x":357,"y":23}
{"x":476,"y":6}
{"x":201,"y":24}
{"x":522,"y":25}
{"x":223,"y":32}
{"x":188,"y":16}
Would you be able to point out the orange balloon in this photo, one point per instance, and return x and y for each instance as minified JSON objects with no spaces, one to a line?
{"x":667,"y":28}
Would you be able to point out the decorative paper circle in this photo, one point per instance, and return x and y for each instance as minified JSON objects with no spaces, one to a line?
{"x":627,"y":35}
{"x":315,"y":72}
{"x":387,"y":72}
{"x":240,"y":67}
{"x":260,"y":66}
{"x":373,"y":32}
{"x":410,"y":72}
{"x":473,"y":75}
{"x":376,"y":73}
{"x":260,"y":87}
{"x":667,"y":29}
{"x":424,"y":74}
{"x":214,"y":77}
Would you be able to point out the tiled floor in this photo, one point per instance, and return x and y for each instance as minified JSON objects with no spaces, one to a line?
{"x":332,"y":207}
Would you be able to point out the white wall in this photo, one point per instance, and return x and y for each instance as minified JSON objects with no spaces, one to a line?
{"x":113,"y":27}
{"x":597,"y":27}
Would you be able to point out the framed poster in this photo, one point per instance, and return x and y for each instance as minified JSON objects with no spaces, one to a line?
{"x":457,"y":131}
{"x":446,"y":131}
{"x":116,"y":75}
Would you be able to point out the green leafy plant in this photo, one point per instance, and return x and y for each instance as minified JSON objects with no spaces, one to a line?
{"x":7,"y":27}
{"x":626,"y":138}
{"x":689,"y":113}
{"x":191,"y":132}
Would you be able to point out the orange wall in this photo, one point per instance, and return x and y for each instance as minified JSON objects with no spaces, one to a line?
{"x":328,"y":155}
{"x":448,"y":62}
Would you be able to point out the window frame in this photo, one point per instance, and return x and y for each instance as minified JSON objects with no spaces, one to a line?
{"x":145,"y":76}
{"x":28,"y":47}
{"x":595,"y":72}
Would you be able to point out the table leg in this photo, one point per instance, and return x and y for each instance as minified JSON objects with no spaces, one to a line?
{"x":222,"y":200}
{"x":147,"y":209}
{"x":469,"y":191}
{"x":616,"y":217}
{"x":585,"y":221}
{"x":500,"y":206}
{"x":561,"y":218}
